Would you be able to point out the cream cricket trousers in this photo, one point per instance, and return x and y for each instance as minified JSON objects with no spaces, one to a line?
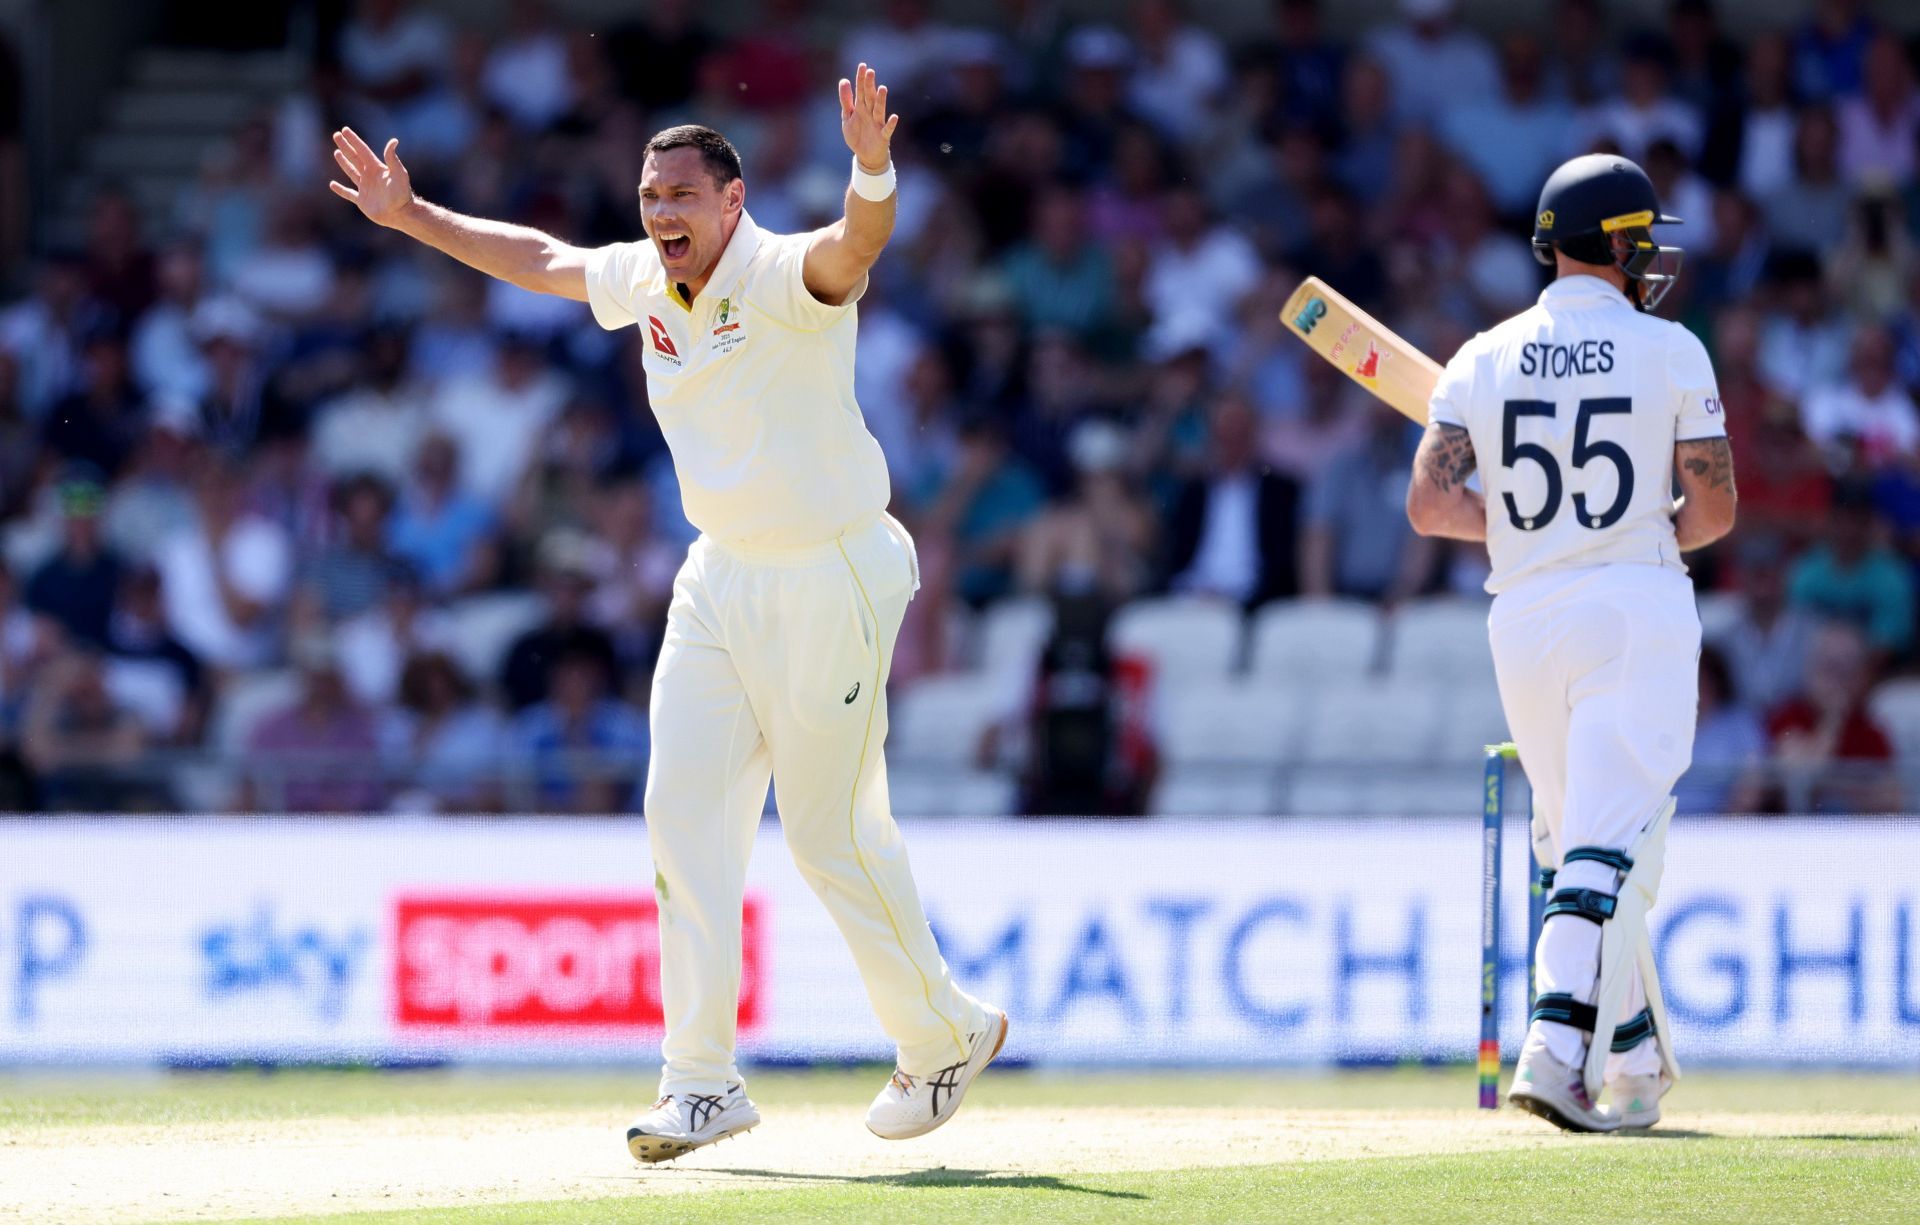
{"x":1599,"y":676}
{"x":775,"y":665}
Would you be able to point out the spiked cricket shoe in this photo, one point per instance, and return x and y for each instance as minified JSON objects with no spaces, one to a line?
{"x":1544,"y":1086}
{"x":682,"y":1122}
{"x":1636,"y":1099}
{"x":914,"y":1105}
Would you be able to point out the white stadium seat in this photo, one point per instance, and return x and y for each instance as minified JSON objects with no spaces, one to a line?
{"x":1203,"y":792}
{"x":1896,"y":704}
{"x":1011,"y":634}
{"x":945,"y":792}
{"x":1370,"y":722}
{"x":1471,"y":719}
{"x":1315,"y":638}
{"x":1720,"y":611}
{"x":940,"y":719}
{"x":1188,"y":641}
{"x":1440,"y":639}
{"x":1250,"y":724}
{"x":483,"y":629}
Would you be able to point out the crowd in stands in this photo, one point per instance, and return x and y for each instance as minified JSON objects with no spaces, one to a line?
{"x":254,"y":435}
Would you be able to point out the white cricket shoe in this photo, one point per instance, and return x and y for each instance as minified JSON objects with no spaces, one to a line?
{"x":1636,"y":1099}
{"x":682,"y":1122}
{"x":914,"y":1105}
{"x":1544,"y":1086}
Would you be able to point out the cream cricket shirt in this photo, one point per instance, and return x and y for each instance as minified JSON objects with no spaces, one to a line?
{"x":753,"y":387}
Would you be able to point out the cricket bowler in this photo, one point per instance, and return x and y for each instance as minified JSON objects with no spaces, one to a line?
{"x":782,"y":624}
{"x":1579,"y":414}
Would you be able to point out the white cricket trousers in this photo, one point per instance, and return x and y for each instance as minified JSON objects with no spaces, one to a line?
{"x":1599,"y":673}
{"x":775,"y":665}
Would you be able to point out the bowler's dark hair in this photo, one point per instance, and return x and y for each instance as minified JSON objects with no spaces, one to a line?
{"x":715,"y":150}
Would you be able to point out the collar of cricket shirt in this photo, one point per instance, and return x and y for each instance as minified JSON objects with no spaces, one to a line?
{"x":1578,"y":286}
{"x":726,"y":270}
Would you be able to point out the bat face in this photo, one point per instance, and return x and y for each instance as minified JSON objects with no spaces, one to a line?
{"x":1362,"y":348}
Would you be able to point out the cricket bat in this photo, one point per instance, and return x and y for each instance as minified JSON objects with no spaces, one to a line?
{"x":1362,"y":348}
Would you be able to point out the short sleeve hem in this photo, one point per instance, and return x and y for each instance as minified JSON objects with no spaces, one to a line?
{"x":606,"y":293}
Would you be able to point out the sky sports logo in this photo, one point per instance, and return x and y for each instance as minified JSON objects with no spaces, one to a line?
{"x":478,"y":962}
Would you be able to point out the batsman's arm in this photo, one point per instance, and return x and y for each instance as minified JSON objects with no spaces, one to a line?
{"x":517,"y":254}
{"x":840,"y":255}
{"x":1438,"y":500}
{"x":1705,"y":511}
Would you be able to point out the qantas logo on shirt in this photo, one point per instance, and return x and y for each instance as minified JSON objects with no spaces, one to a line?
{"x":662,"y":343}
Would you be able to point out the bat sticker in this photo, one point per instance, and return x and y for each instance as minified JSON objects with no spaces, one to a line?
{"x":1369,"y":367}
{"x":1313,"y":312}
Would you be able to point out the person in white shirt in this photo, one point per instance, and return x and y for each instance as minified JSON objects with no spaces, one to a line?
{"x":1579,"y":414}
{"x":784,"y":617}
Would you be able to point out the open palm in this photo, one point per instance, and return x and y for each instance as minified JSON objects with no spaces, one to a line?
{"x":381,"y":187}
{"x":864,"y":120}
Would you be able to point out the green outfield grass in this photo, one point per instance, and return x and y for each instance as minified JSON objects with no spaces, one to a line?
{"x":1831,"y":1147}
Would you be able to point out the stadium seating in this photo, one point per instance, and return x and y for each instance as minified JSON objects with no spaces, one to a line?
{"x":1382,"y":721}
{"x":485,"y":626}
{"x":1188,"y":641}
{"x":1251,"y":723}
{"x":1896,"y":704}
{"x":940,"y":720}
{"x":1320,"y":639}
{"x":1440,"y":639}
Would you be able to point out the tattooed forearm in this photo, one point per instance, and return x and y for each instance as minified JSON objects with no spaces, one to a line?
{"x":1448,"y":458}
{"x":1709,"y":460}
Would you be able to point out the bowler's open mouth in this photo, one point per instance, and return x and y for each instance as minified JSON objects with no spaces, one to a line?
{"x":674,"y":244}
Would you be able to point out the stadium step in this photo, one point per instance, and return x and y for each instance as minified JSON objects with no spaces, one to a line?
{"x":166,"y":67}
{"x":147,"y":108}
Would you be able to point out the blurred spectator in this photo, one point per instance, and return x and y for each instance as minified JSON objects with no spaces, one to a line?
{"x":1683,"y":191}
{"x":1492,"y":265}
{"x":451,"y":745}
{"x":1179,"y":72}
{"x":1307,"y":63}
{"x":166,"y":359}
{"x":152,"y":501}
{"x":1879,"y":125}
{"x":376,"y":426}
{"x":1074,"y":765}
{"x":1852,"y":576}
{"x":1730,"y":268}
{"x":1270,"y":201}
{"x":1706,"y":76}
{"x":443,"y":532}
{"x":100,"y":422}
{"x":373,"y":647}
{"x":1875,"y":265}
{"x":495,"y":419}
{"x":1355,"y":541}
{"x":526,"y":72}
{"x":1869,"y":414}
{"x":1645,"y":110}
{"x":1364,"y":164}
{"x":1729,"y":744}
{"x":352,"y":574}
{"x":634,"y":570}
{"x":1514,"y":139}
{"x":1233,"y":532}
{"x":1766,"y":646}
{"x":1803,"y":344}
{"x":84,"y":745}
{"x":42,"y":332}
{"x":394,"y":52}
{"x":1197,"y":275}
{"x":290,"y":275}
{"x":1809,"y":210}
{"x":137,"y":637}
{"x":656,"y":54}
{"x":582,"y":750}
{"x":769,"y":66}
{"x":318,"y":754}
{"x":905,"y":43}
{"x":989,"y":497}
{"x":1061,"y":279}
{"x":1094,"y":108}
{"x":119,"y":266}
{"x":1784,"y":485}
{"x":1584,"y":66}
{"x":76,"y":586}
{"x":233,"y":412}
{"x":224,"y":574}
{"x":1829,"y":48}
{"x":566,"y":579}
{"x":1433,"y":63}
{"x":1100,"y":538}
{"x":1832,"y":756}
{"x":1767,"y":127}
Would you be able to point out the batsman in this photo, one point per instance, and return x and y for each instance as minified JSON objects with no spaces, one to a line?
{"x":1580,"y":414}
{"x":781,"y":630}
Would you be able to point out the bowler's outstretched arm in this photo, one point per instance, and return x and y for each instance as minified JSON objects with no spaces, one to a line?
{"x":840,"y":254}
{"x":516,"y":254}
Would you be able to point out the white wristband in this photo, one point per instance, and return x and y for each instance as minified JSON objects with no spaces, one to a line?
{"x":874,"y":187}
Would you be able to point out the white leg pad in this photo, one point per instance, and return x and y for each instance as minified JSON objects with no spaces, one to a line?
{"x":1626,"y":945}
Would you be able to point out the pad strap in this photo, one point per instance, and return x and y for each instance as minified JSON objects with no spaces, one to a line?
{"x":1546,"y":879}
{"x":1556,"y":1006}
{"x":1589,"y":904}
{"x":1619,"y":861}
{"x":1633,"y":1031}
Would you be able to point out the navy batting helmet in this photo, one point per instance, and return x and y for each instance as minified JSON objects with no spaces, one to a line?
{"x":1601,"y":209}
